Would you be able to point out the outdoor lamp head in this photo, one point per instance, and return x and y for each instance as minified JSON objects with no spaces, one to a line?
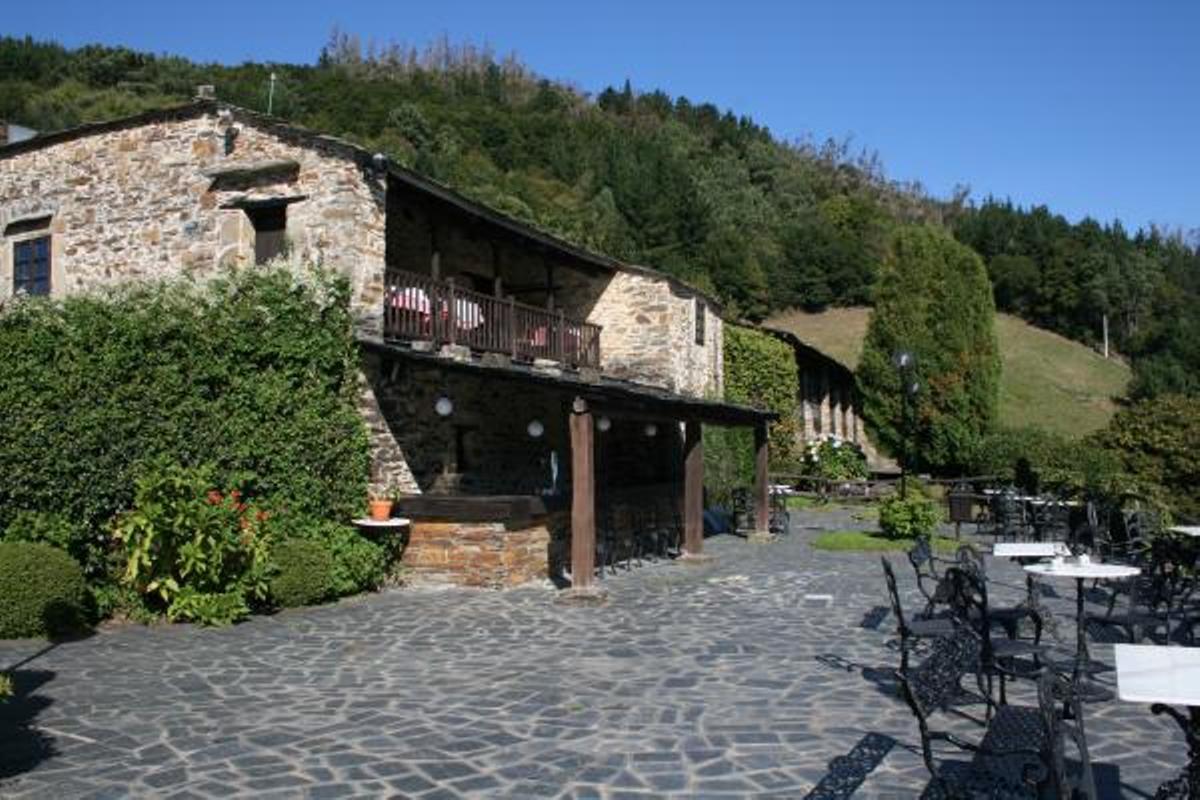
{"x":535,"y":429}
{"x":903,"y":360}
{"x":914,"y":387}
{"x":651,"y":429}
{"x":603,"y":424}
{"x":444,"y":406}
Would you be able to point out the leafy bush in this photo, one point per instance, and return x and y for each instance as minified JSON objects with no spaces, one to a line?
{"x":118,"y":601}
{"x":933,"y":300}
{"x":57,"y":531}
{"x":42,"y":591}
{"x":835,"y":459}
{"x":254,"y":373}
{"x":359,"y":565}
{"x":1157,"y":442}
{"x":1039,"y":461}
{"x":6,"y":687}
{"x":909,"y":517}
{"x":304,"y":573}
{"x":202,"y":553}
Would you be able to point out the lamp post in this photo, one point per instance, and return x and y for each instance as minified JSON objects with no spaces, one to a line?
{"x":906,"y":368}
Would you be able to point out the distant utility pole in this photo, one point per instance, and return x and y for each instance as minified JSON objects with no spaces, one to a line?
{"x":1106,"y":335}
{"x":271,"y":94}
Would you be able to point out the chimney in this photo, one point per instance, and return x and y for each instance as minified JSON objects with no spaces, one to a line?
{"x":206,"y":92}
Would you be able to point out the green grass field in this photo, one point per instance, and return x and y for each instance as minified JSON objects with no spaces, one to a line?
{"x":874,"y":542}
{"x":1047,"y":381}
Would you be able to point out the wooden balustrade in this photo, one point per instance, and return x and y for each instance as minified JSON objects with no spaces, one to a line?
{"x":418,"y":307}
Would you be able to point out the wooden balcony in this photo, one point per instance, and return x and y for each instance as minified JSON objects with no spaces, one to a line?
{"x":418,"y":307}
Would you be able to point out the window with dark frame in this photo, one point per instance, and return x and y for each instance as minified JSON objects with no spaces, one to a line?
{"x":270,"y":231}
{"x":699,"y":321}
{"x":31,"y":266}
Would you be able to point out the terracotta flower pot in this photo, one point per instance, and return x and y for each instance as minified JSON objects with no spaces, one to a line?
{"x":381,"y":509}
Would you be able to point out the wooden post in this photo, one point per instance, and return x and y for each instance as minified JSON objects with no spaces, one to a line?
{"x":583,"y":496}
{"x":512,"y":326}
{"x":762,"y":521}
{"x":452,"y":313}
{"x":693,"y":489}
{"x":826,"y":416}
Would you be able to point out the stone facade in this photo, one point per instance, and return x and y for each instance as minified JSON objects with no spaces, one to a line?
{"x":148,"y":202}
{"x":175,"y":195}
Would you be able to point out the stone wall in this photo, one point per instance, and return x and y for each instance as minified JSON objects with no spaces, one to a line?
{"x":480,"y":554}
{"x":143,"y":203}
{"x":650,"y":331}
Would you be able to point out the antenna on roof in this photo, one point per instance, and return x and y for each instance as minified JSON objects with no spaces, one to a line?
{"x":271,"y":94}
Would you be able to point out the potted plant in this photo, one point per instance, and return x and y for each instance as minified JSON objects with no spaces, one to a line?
{"x":380,"y":506}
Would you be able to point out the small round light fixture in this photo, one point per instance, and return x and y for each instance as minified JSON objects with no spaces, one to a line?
{"x":535,"y":429}
{"x":603,"y":424}
{"x":651,"y":429}
{"x":444,"y":406}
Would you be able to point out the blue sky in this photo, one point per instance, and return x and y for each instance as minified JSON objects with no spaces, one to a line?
{"x":1088,"y":106}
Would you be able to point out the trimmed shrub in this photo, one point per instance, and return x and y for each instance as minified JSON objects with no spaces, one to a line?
{"x":909,"y":517}
{"x":254,"y":373}
{"x":1037,"y":461}
{"x":201,"y":552}
{"x":359,"y":564}
{"x":304,"y":573}
{"x":1157,"y":443}
{"x":42,"y":591}
{"x":933,"y":300}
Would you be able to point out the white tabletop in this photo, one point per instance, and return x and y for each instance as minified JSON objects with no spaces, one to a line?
{"x":394,"y":522}
{"x":1187,"y":530}
{"x":1030,"y":549}
{"x":1072,"y":570}
{"x":1148,"y":673}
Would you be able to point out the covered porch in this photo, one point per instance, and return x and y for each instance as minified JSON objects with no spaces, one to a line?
{"x":513,"y":472}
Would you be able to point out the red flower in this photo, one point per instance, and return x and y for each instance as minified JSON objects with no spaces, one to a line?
{"x":215,"y":497}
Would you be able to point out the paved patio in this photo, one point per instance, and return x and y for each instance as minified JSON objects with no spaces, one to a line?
{"x":764,"y":673}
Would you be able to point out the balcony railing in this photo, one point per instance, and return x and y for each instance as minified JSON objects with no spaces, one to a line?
{"x":418,"y":307}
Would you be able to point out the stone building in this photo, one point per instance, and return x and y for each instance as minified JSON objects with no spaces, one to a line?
{"x":829,"y":405}
{"x":484,"y":340}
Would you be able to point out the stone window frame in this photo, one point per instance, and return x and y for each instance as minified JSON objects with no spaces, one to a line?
{"x":9,"y":241}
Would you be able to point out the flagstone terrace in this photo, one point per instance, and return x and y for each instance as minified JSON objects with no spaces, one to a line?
{"x":765,"y":672}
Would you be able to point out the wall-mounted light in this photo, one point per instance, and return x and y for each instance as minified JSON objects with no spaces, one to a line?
{"x":444,"y":406}
{"x":651,"y":429}
{"x":603,"y":424}
{"x":535,"y":429}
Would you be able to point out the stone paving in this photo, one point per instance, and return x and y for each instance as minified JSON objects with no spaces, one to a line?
{"x":762,"y":673}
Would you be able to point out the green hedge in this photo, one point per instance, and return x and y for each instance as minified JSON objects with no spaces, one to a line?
{"x":254,"y":373}
{"x":760,"y":370}
{"x":42,"y":591}
{"x":304,"y":575}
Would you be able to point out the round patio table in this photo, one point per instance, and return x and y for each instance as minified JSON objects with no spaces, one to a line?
{"x":1087,"y":692}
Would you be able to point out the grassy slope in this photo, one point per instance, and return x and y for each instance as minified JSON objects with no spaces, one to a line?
{"x":1047,"y":381}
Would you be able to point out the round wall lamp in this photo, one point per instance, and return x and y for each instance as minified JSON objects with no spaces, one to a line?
{"x":535,"y":429}
{"x":651,"y":429}
{"x":603,"y":424}
{"x":444,"y":406}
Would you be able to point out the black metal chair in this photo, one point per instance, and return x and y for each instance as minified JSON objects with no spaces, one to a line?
{"x":968,"y":600}
{"x":1022,"y":752}
{"x":911,"y":630}
{"x":1007,"y":513}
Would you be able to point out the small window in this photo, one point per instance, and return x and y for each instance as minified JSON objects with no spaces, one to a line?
{"x":270,"y":231}
{"x":31,"y":266}
{"x":699,"y":321}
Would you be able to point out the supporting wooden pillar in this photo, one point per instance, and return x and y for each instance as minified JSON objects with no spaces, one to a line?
{"x":826,"y":416}
{"x":693,"y":489}
{"x":806,"y":405}
{"x":583,"y":496}
{"x":762,"y":500}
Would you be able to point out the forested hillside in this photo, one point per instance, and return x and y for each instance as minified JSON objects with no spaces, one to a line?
{"x":663,"y":181}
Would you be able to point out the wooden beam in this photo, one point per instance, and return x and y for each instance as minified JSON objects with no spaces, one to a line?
{"x":583,"y":495}
{"x":761,"y":498}
{"x":693,"y":489}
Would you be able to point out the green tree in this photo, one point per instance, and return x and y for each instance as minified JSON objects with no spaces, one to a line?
{"x":933,"y":300}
